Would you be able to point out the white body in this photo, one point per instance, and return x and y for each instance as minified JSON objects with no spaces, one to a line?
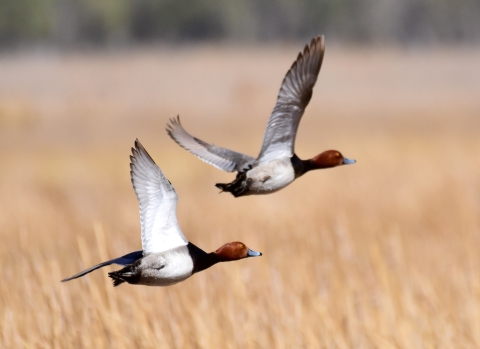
{"x":166,"y":268}
{"x":270,"y":177}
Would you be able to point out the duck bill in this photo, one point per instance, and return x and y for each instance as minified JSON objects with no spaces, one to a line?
{"x":348,"y":161}
{"x":252,"y":253}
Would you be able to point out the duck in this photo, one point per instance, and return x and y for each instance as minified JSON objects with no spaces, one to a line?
{"x":277,"y":165}
{"x":167,"y":257}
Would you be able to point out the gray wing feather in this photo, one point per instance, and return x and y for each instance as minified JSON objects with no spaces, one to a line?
{"x":294,"y":96}
{"x":221,"y":158}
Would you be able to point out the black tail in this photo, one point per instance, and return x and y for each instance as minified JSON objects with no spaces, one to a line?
{"x":116,"y":279}
{"x":238,"y":187}
{"x":128,"y":274}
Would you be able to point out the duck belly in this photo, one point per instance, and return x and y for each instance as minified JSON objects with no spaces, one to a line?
{"x":270,"y":177}
{"x":165,"y":270}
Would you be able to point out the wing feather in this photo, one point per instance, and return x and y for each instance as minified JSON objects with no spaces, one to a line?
{"x":294,"y":96}
{"x":158,"y":204}
{"x":221,"y":158}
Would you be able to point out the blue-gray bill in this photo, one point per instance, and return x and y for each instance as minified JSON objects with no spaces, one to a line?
{"x":252,"y":253}
{"x":348,"y":161}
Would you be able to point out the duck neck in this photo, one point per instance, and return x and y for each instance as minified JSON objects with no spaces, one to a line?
{"x":206,"y":262}
{"x":201,"y":259}
{"x":301,"y":167}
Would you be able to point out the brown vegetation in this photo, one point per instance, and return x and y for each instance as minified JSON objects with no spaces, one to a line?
{"x":382,"y":254}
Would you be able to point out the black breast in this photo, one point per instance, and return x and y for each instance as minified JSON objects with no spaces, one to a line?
{"x":299,"y":166}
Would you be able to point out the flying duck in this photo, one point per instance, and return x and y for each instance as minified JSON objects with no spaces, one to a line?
{"x":277,"y":165}
{"x":167,"y":256}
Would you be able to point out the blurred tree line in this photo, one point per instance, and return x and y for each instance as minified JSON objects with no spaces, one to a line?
{"x":71,"y":22}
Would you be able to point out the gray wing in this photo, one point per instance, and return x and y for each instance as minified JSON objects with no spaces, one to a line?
{"x":293,"y":98}
{"x":124,"y":260}
{"x":158,"y":204}
{"x":221,"y":158}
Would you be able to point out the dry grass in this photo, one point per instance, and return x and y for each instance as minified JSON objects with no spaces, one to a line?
{"x":383,"y":254}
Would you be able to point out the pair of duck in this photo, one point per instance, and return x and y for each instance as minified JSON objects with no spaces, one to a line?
{"x":167,"y":256}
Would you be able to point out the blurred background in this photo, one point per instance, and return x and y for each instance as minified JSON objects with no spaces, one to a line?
{"x":381,"y":254}
{"x":69,"y":23}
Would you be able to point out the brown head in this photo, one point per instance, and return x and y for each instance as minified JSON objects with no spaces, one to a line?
{"x":234,"y":251}
{"x":330,"y":158}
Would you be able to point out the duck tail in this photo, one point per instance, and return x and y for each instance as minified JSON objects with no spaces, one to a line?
{"x":237,"y":188}
{"x":126,"y":274}
{"x":116,"y":279}
{"x":223,"y":187}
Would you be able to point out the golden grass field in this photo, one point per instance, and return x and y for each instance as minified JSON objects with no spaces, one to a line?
{"x":382,"y":254}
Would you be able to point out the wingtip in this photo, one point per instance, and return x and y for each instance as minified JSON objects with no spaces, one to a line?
{"x":136,"y":148}
{"x":172,"y":125}
{"x":321,"y":42}
{"x":316,"y":44}
{"x":139,"y":148}
{"x":69,"y":278}
{"x":174,"y":121}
